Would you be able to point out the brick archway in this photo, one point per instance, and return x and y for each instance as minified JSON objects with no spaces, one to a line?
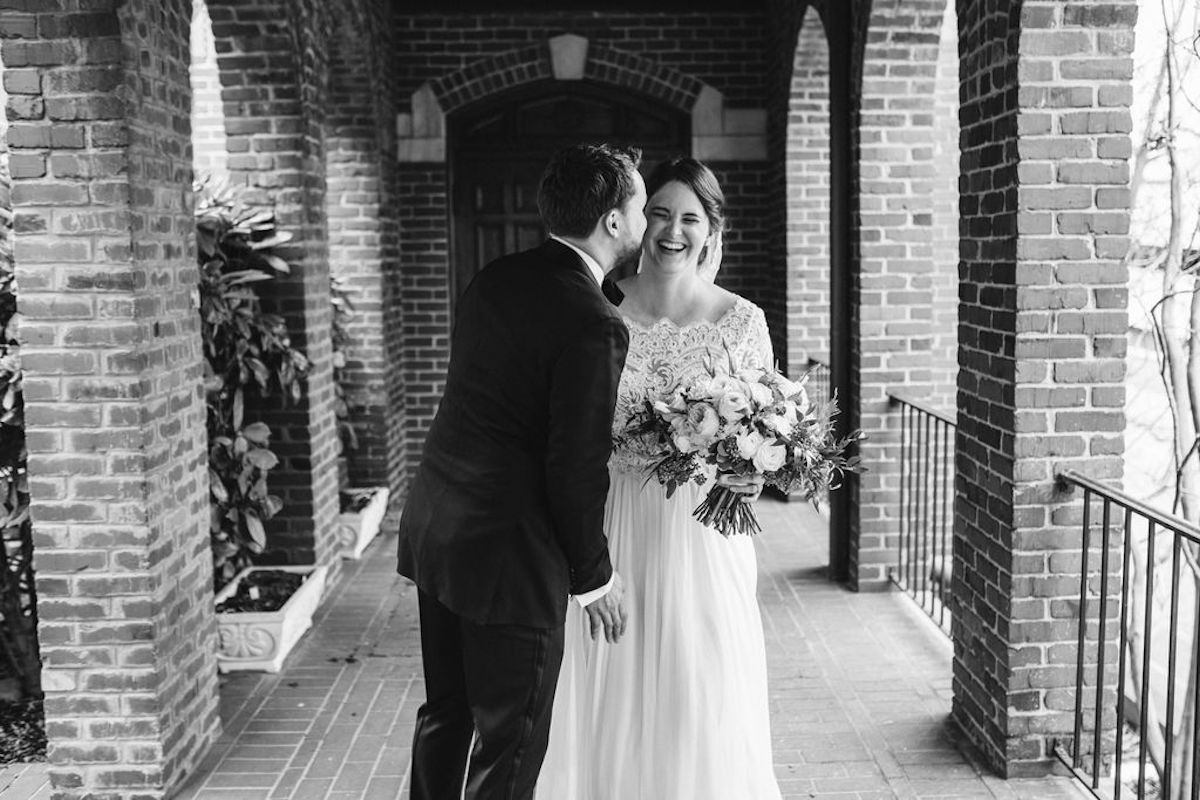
{"x":718,"y":133}
{"x":565,"y":57}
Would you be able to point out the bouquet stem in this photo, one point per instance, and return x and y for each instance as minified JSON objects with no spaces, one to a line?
{"x":724,"y":510}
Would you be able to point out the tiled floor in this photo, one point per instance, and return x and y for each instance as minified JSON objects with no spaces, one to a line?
{"x":24,"y":782}
{"x":860,"y":692}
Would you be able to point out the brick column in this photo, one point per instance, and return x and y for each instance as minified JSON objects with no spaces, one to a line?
{"x":1045,"y":124}
{"x":891,"y":292}
{"x":363,"y":242}
{"x":808,"y":223}
{"x":275,"y":105}
{"x":98,"y":106}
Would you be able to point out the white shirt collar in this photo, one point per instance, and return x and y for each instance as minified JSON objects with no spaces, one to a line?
{"x":592,"y":264}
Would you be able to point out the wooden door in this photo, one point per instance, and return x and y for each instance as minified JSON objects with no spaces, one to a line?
{"x":499,"y":154}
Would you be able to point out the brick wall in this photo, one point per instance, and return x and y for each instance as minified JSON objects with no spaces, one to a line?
{"x":363,"y":239}
{"x":425,"y":292}
{"x":275,"y":102}
{"x":99,"y":107}
{"x":1043,"y":315}
{"x":891,"y":287}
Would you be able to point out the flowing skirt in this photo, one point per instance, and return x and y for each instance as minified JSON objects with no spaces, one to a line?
{"x":677,"y":710}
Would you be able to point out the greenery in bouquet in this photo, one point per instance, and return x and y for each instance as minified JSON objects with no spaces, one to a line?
{"x":246,"y":350}
{"x":749,"y":422}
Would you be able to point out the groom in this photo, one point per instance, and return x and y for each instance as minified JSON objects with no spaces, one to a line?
{"x":505,"y":517}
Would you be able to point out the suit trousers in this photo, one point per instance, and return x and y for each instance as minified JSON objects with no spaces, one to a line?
{"x":491,"y":682}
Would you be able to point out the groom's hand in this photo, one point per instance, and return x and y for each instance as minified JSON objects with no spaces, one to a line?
{"x":608,"y":613}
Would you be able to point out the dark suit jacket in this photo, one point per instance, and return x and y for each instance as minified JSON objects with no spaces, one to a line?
{"x":505,"y":516}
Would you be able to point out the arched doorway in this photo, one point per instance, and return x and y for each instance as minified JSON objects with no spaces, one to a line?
{"x":500,"y":149}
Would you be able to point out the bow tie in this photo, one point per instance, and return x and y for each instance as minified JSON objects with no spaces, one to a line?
{"x":612,"y":292}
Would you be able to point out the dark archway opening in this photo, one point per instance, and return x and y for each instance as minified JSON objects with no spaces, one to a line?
{"x":499,"y":149}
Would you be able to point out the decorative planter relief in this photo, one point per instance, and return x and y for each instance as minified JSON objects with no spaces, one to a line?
{"x":360,"y":522}
{"x":261,"y":640}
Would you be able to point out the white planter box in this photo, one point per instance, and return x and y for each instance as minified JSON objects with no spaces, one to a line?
{"x":260,"y":640}
{"x":356,"y":529}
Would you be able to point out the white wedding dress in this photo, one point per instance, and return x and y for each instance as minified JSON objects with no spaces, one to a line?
{"x":677,"y":710}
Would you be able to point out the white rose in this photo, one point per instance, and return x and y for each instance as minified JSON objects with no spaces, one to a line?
{"x":684,"y":443}
{"x":761,"y":395}
{"x":703,"y":420}
{"x":733,"y":405}
{"x":770,"y":457}
{"x":748,"y":444}
{"x":780,"y":423}
{"x":718,"y":386}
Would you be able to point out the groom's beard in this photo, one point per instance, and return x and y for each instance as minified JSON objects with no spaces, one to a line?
{"x":627,"y":261}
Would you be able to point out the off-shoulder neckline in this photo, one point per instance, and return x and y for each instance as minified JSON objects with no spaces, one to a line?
{"x":739,"y":303}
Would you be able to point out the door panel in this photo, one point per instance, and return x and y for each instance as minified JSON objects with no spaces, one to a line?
{"x":500,"y":152}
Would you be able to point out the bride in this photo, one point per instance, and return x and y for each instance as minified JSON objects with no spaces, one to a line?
{"x":678,"y":709}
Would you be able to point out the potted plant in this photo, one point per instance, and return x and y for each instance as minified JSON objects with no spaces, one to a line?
{"x":362,"y":509}
{"x":360,"y":518}
{"x":261,"y":611}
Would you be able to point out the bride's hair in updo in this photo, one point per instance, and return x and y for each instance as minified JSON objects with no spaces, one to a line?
{"x":697,"y":177}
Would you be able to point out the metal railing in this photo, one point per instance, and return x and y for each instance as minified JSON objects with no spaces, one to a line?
{"x":1120,"y":619}
{"x":923,"y":557}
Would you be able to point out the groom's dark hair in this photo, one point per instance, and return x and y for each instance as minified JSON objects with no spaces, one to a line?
{"x":584,"y":182}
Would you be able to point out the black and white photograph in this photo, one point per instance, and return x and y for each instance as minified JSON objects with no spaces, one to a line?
{"x":599,"y":400}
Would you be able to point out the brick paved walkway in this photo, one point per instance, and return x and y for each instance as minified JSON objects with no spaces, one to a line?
{"x":859,"y":683}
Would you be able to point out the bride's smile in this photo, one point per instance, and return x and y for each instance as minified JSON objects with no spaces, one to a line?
{"x":677,"y":227}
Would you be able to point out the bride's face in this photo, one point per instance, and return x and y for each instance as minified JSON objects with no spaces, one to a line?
{"x":677,"y":228}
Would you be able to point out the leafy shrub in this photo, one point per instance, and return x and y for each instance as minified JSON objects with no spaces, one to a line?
{"x":19,"y":657}
{"x":245,"y":350}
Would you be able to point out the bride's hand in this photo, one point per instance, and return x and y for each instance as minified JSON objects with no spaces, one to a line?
{"x":749,"y":486}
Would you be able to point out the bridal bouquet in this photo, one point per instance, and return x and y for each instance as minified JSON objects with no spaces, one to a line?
{"x":750,"y":422}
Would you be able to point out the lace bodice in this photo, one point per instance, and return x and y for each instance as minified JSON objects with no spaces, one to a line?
{"x":664,"y":355}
